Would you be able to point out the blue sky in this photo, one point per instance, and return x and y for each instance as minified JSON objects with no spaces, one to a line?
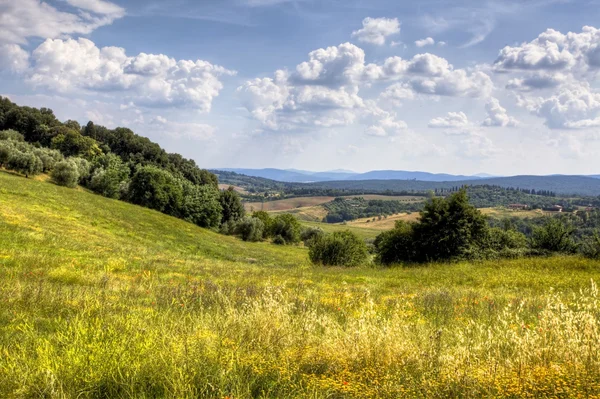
{"x":504,"y":87}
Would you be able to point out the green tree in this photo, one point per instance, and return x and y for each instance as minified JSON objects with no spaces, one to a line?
{"x":156,"y":189}
{"x":556,"y":235}
{"x":200,"y":205}
{"x":11,"y":134}
{"x":396,"y":245}
{"x":109,"y":176}
{"x":449,"y":228}
{"x":267,"y":221}
{"x":287,"y":227}
{"x":233,"y":209}
{"x":250,"y":229}
{"x":65,"y":173}
{"x":342,"y":248}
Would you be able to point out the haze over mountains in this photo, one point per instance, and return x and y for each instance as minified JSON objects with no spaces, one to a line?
{"x":304,"y":176}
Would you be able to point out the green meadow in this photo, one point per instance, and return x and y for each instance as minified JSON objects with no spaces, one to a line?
{"x":103,"y":299}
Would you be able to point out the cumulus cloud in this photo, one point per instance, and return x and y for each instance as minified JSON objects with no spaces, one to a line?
{"x":146,"y":79}
{"x":428,"y":41}
{"x":452,"y":119}
{"x":377,"y":30}
{"x":537,"y":81}
{"x":496,"y":115}
{"x":477,"y":146}
{"x":573,"y":107}
{"x":13,"y":58}
{"x":24,"y":19}
{"x":554,"y":51}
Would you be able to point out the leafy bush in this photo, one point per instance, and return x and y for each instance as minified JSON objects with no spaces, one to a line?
{"x":231,"y":205}
{"x":500,"y":239}
{"x":310,"y":234}
{"x":11,"y":134}
{"x":267,"y":221}
{"x":397,"y":245}
{"x":48,"y":157}
{"x":279,"y":240}
{"x":555,"y":235}
{"x":65,"y":173}
{"x":590,"y":246}
{"x":200,"y":205}
{"x":156,"y":189}
{"x":287,"y":227}
{"x":250,"y":229}
{"x":342,"y":248}
{"x":83,"y":168}
{"x":109,"y":177}
{"x":25,"y":163}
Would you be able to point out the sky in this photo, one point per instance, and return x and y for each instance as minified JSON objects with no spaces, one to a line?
{"x":447,"y":86}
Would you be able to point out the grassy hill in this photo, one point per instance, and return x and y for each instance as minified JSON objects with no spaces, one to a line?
{"x":100,"y":298}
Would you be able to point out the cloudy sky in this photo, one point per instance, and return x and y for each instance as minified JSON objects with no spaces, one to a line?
{"x":455,"y":86}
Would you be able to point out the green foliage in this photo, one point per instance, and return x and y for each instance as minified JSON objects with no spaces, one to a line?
{"x":279,"y":240}
{"x":310,"y":234}
{"x":287,"y":227}
{"x":83,"y":169}
{"x":25,"y":163}
{"x":48,"y":157}
{"x":200,"y":205}
{"x":109,"y":177}
{"x":267,"y":221}
{"x":342,"y":248}
{"x":71,"y":143}
{"x":345,"y":209}
{"x":65,"y":173}
{"x":250,"y":229}
{"x":500,"y":239}
{"x":448,"y":228}
{"x":590,"y":247}
{"x":556,"y":235}
{"x":396,"y":245}
{"x":11,"y":134}
{"x":156,"y":189}
{"x":231,"y":205}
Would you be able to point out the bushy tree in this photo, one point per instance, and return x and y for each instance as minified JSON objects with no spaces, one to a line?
{"x":48,"y":157}
{"x":396,"y":245}
{"x":342,"y":248}
{"x":309,"y":235}
{"x":83,"y":169}
{"x":448,"y":228}
{"x":233,"y":209}
{"x":590,"y":246}
{"x":65,"y":173}
{"x":501,"y":239}
{"x":267,"y":221}
{"x":109,"y":176}
{"x":200,"y":205}
{"x":250,"y":229}
{"x":156,"y":189}
{"x":556,"y":235}
{"x":25,"y":163}
{"x":11,"y":134}
{"x":71,"y":143}
{"x":287,"y":227}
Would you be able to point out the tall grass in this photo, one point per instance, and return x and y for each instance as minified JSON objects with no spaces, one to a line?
{"x":100,"y":299}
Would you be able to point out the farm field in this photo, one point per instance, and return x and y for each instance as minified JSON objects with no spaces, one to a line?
{"x":100,"y":298}
{"x":301,"y":202}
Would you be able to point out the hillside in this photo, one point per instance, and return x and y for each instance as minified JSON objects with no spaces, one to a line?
{"x":101,"y":298}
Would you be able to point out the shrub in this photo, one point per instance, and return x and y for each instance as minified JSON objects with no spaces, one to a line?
{"x":110,"y":177}
{"x":25,"y":163}
{"x":250,"y":229}
{"x":555,"y":235}
{"x":590,"y":246}
{"x":231,"y":205}
{"x":200,"y":205}
{"x":48,"y":157}
{"x":279,"y":240}
{"x":267,"y":221}
{"x":156,"y":189}
{"x":83,"y":168}
{"x":288,"y":227}
{"x":501,"y":239}
{"x":11,"y":135}
{"x":65,"y":173}
{"x":310,"y":234}
{"x":397,"y":245}
{"x":342,"y":248}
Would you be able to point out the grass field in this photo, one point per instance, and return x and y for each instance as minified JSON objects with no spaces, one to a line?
{"x":301,"y":202}
{"x":102,"y":299}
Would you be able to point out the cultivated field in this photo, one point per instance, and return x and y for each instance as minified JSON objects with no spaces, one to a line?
{"x":102,"y":299}
{"x":301,"y":202}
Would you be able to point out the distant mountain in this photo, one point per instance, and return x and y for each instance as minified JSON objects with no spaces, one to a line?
{"x":304,"y":176}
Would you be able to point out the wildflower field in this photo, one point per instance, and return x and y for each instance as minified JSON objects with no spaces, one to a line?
{"x":103,"y":299}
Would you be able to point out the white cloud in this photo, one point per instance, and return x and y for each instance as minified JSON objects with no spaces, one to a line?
{"x":425,"y":42}
{"x":398,"y":93}
{"x":573,"y":107}
{"x":477,"y":146}
{"x":554,"y":51}
{"x":23,"y":19}
{"x":452,"y":119}
{"x":376,"y":30}
{"x":192,"y":131}
{"x":13,"y":58}
{"x":537,"y":81}
{"x":146,"y":79}
{"x":496,"y":115}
